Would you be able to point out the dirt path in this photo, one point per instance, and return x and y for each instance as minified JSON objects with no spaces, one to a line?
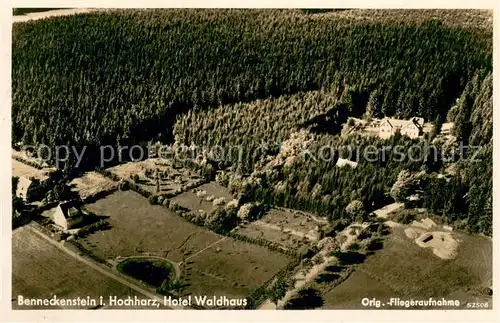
{"x":53,"y":13}
{"x":213,"y":244}
{"x":102,"y":270}
{"x":302,"y":279}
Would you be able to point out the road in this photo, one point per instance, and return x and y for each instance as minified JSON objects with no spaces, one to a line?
{"x":53,"y":13}
{"x":103,"y":271}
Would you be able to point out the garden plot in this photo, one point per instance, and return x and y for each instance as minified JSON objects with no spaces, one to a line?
{"x":171,"y":180}
{"x":289,"y":228}
{"x":205,"y":197}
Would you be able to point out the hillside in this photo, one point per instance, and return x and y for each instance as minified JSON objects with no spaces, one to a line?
{"x":264,"y":79}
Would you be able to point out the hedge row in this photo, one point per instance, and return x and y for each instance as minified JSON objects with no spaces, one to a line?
{"x":28,"y":162}
{"x":100,"y":195}
{"x":134,"y":187}
{"x":265,"y":243}
{"x":91,"y":228}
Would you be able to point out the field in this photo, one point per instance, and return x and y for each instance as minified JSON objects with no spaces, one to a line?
{"x":171,"y":180}
{"x":212,"y":264}
{"x":195,"y":202}
{"x":231,"y":268}
{"x":139,"y":228}
{"x":290,"y":228}
{"x":22,"y":170}
{"x":40,"y":270}
{"x":403,"y":269}
{"x":91,"y":183}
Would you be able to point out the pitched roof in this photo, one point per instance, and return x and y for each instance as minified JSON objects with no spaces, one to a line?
{"x":70,"y":209}
{"x":397,"y":123}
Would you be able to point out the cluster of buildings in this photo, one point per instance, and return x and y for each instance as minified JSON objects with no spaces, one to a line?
{"x":412,"y":128}
{"x":67,"y":214}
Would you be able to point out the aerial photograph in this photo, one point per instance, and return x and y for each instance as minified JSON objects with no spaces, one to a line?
{"x":252,"y":159}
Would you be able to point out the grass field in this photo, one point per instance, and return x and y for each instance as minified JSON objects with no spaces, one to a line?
{"x":213,"y":265}
{"x":194,"y":203}
{"x":40,"y":270}
{"x":231,"y":268}
{"x":403,"y":269}
{"x":139,"y":228}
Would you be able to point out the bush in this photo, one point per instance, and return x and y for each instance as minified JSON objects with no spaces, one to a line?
{"x":91,"y":228}
{"x":405,"y":217}
{"x":305,"y":252}
{"x":174,"y":206}
{"x":153,"y":199}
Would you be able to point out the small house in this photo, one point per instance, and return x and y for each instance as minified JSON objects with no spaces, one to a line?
{"x":341,"y":162}
{"x":413,"y":128}
{"x":387,"y":129}
{"x":68,"y":215}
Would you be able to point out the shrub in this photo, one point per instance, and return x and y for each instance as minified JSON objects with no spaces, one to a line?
{"x":305,"y":252}
{"x":153,"y":199}
{"x":219,"y":201}
{"x":405,"y":216}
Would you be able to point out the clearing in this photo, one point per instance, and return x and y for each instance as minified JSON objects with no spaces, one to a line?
{"x":41,"y":270}
{"x":403,"y":269}
{"x":91,"y":183}
{"x":211,"y":264}
{"x":52,"y":13}
{"x":138,"y":228}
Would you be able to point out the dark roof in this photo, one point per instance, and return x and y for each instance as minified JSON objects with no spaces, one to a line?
{"x":70,"y":209}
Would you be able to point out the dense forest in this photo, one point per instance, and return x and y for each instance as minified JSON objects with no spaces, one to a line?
{"x":264,"y":80}
{"x":127,"y":74}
